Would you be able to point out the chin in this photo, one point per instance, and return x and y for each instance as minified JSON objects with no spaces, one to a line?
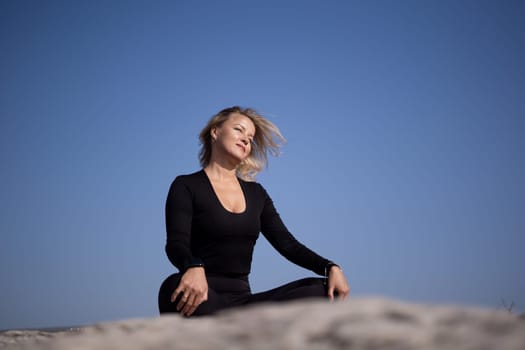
{"x":239,"y":157}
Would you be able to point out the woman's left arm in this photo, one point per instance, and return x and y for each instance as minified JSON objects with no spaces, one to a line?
{"x":285,"y":243}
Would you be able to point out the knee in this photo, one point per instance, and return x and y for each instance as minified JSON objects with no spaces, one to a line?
{"x":168,"y":287}
{"x":166,"y":290}
{"x":314,"y":287}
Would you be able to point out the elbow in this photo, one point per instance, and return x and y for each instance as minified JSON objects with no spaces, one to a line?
{"x":172,"y":255}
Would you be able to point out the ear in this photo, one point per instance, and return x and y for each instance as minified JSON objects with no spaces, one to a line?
{"x":213,"y":133}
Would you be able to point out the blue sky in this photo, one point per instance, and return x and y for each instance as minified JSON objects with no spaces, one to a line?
{"x":404,"y":163}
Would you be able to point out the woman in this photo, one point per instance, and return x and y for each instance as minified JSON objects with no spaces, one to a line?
{"x":214,"y":216}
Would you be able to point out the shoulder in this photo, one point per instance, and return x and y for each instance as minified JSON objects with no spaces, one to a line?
{"x":189,"y":177}
{"x":251,"y":184}
{"x":254,"y":187}
{"x":188,"y":180}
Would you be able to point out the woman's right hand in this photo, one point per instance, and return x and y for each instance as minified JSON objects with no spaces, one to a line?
{"x":194,"y":288}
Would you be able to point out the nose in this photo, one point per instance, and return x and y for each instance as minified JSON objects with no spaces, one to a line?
{"x":245,"y":140}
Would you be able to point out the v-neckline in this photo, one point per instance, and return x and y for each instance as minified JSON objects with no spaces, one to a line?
{"x":218,"y":199}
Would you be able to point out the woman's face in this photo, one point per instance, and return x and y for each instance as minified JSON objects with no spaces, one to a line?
{"x":235,"y":136}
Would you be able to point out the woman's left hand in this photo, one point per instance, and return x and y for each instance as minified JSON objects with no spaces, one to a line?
{"x":337,"y":283}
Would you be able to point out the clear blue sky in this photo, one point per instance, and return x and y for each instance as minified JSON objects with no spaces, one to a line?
{"x":405,"y":159}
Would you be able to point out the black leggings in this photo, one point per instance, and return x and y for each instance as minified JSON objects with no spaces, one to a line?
{"x":226,"y":292}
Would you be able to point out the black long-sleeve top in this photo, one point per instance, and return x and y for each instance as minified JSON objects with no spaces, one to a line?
{"x":200,"y":230}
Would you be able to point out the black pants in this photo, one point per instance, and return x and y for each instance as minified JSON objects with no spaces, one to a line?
{"x":226,"y":292}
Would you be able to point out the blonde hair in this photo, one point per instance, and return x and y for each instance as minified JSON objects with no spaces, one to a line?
{"x":267,"y":138}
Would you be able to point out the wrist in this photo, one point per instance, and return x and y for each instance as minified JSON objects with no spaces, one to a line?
{"x":192,"y":266}
{"x":327,"y":269}
{"x":194,"y":262}
{"x":329,"y":266}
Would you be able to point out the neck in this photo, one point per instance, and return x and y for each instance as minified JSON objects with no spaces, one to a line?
{"x":221,"y":172}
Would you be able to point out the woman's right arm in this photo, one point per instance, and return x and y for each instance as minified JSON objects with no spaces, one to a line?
{"x":179,"y":213}
{"x":193,"y":284}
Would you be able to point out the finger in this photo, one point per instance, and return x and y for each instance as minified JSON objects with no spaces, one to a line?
{"x":176,"y":293}
{"x":182,"y":302}
{"x":344,"y":293}
{"x":191,"y":310}
{"x":189,"y":304}
{"x":340,"y":293}
{"x":331,"y":292}
{"x":199,"y":299}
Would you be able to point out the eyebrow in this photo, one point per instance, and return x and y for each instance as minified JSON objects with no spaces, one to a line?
{"x":242,"y":126}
